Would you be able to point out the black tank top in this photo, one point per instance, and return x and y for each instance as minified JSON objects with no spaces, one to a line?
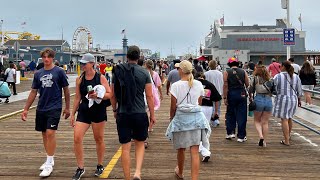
{"x":84,"y":91}
{"x":233,"y":81}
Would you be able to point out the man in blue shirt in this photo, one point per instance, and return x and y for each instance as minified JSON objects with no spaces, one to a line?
{"x":49,"y":82}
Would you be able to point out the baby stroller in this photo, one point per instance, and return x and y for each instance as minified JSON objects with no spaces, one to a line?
{"x":4,"y":91}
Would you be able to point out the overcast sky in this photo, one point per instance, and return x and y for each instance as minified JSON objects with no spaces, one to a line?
{"x":153,"y":24}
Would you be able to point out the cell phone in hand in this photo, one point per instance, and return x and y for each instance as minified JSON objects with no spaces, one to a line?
{"x":90,"y":89}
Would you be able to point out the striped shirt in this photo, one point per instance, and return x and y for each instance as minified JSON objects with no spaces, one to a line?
{"x":288,"y":90}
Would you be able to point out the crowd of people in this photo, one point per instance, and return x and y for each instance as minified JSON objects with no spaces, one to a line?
{"x":134,"y":92}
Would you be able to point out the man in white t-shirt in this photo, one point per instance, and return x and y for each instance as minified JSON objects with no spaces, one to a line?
{"x":295,"y":66}
{"x":11,"y":79}
{"x":216,"y":78}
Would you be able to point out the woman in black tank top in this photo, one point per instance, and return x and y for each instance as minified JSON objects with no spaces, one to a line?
{"x":235,"y":98}
{"x":94,"y":115}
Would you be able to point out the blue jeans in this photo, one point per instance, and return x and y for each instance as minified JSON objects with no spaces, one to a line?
{"x":236,"y":113}
{"x":22,"y":73}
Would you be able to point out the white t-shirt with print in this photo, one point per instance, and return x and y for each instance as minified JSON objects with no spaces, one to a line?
{"x":180,"y":90}
{"x":10,"y":75}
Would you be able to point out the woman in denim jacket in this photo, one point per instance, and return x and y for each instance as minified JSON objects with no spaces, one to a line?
{"x":188,"y":126}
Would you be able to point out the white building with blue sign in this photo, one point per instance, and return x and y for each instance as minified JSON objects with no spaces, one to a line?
{"x":257,"y":43}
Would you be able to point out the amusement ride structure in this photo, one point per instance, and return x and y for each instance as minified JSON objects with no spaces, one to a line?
{"x":82,"y":40}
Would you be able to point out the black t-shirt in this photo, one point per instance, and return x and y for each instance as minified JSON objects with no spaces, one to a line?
{"x":142,"y":77}
{"x":214,"y":97}
{"x":251,"y":65}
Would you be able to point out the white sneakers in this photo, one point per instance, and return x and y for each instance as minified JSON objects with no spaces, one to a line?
{"x":229,"y":136}
{"x":215,"y":123}
{"x":46,"y":171}
{"x":44,"y":164}
{"x":242,"y":140}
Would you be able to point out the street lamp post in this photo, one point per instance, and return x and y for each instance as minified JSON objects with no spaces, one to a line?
{"x":288,"y":26}
{"x":286,"y":5}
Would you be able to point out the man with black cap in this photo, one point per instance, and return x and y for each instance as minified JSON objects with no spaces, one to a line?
{"x":128,"y":85}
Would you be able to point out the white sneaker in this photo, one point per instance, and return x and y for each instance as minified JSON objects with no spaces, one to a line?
{"x":44,"y":165}
{"x":233,"y":136}
{"x":242,"y":140}
{"x":215,"y":123}
{"x":46,"y":171}
{"x":228,"y":136}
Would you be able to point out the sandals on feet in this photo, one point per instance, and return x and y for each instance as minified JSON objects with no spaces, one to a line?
{"x":176,"y":172}
{"x":136,"y":178}
{"x":283,"y":143}
{"x":261,"y":142}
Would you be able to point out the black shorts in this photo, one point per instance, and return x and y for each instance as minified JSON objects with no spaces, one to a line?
{"x":95,"y":114}
{"x":47,"y":120}
{"x":132,"y":126}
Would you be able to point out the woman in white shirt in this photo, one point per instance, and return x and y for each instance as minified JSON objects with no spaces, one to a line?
{"x":188,"y":126}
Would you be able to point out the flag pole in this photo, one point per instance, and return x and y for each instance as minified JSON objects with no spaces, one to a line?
{"x":300,"y":22}
{"x":223,"y":19}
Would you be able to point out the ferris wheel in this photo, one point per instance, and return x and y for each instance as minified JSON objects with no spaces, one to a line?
{"x":82,"y":40}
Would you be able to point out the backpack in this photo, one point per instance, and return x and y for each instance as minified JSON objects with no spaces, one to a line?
{"x":6,"y":76}
{"x":125,"y":87}
{"x":4,"y":90}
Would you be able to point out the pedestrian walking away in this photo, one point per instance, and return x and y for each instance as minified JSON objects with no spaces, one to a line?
{"x":10,"y":78}
{"x":215,"y":77}
{"x":289,"y":91}
{"x":235,"y":86}
{"x":263,"y":102}
{"x":129,"y":82}
{"x":92,"y":91}
{"x":274,"y":68}
{"x":308,"y":81}
{"x":173,"y":76}
{"x":211,"y":96}
{"x":188,"y":125}
{"x":49,"y":82}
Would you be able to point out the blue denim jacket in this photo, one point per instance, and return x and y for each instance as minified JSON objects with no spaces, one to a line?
{"x":188,"y":118}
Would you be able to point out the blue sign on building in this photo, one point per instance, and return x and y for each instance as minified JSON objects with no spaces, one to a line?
{"x":289,"y":37}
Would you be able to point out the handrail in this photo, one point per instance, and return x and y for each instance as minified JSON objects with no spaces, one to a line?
{"x":315,"y":92}
{"x":306,"y":126}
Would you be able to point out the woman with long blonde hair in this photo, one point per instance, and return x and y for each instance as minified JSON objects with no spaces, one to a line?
{"x":188,"y":125}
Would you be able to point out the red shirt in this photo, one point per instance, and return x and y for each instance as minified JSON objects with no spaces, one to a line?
{"x":102,"y":68}
{"x":274,"y":68}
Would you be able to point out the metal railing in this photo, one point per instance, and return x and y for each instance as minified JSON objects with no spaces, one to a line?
{"x":310,"y":110}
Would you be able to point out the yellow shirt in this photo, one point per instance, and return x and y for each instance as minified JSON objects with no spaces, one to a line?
{"x":108,"y":69}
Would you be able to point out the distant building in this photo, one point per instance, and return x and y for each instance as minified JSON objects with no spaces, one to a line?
{"x":255,"y":43}
{"x":30,"y":50}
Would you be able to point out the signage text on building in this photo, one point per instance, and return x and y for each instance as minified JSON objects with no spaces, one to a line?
{"x":260,"y":39}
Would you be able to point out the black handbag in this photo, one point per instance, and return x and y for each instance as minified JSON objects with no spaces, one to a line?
{"x":252,"y":106}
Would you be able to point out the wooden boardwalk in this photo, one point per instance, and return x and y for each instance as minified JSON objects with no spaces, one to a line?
{"x":21,"y":152}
